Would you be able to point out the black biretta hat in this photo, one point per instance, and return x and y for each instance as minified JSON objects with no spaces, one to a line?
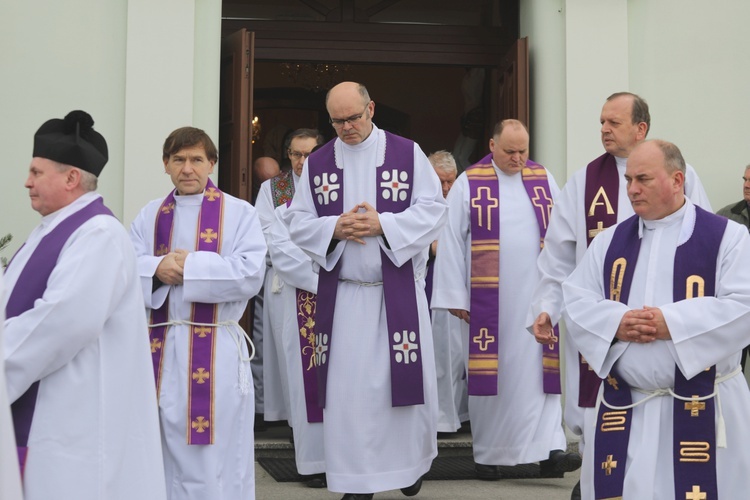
{"x":72,"y":141}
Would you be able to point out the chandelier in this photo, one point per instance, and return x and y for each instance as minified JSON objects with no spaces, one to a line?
{"x":315,"y":77}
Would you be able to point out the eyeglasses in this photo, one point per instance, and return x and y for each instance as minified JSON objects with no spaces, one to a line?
{"x":339,"y":122}
{"x":297,"y":155}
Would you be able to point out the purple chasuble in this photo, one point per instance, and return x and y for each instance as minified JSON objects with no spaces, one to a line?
{"x":600,"y":203}
{"x":484,"y":207}
{"x":694,"y":427}
{"x":282,"y":188}
{"x":30,"y":286}
{"x":202,"y":334}
{"x":394,"y":180}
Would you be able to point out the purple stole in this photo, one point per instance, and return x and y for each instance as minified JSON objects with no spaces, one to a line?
{"x":282,"y":191}
{"x":202,"y":336}
{"x":395,"y":179}
{"x":694,"y":425}
{"x":282,"y":188}
{"x":30,"y":286}
{"x":485,"y":260}
{"x":600,"y":202}
{"x":306,"y":304}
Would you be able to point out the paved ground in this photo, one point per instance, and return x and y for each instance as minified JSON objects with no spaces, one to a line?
{"x":274,"y":441}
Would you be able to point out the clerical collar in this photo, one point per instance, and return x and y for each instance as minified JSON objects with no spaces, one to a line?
{"x":621,"y":162}
{"x":375,"y":139}
{"x":189,"y":199}
{"x":673,"y":218}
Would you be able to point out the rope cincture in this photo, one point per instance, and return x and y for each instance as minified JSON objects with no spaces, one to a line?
{"x":244,"y":383}
{"x":721,"y":432}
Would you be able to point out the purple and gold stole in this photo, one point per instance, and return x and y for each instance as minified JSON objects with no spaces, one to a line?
{"x":30,"y":286}
{"x":282,"y":188}
{"x":200,"y":405}
{"x":484,"y":204}
{"x":306,"y":304}
{"x":600,"y":202}
{"x":694,"y":426}
{"x":395,"y":178}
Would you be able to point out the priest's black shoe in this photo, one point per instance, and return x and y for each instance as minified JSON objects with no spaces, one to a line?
{"x":316,"y":481}
{"x":487,"y":472}
{"x":576,"y":493}
{"x":558,"y":463}
{"x":358,"y":496}
{"x":413,"y":489}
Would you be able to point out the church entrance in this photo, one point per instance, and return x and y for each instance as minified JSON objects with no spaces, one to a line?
{"x":440,"y":72}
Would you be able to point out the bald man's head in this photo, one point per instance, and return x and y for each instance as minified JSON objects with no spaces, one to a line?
{"x":265,"y":168}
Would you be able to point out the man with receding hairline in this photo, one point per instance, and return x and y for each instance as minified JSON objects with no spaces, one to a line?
{"x":367,"y":207}
{"x":498,"y":214}
{"x":659,"y":308}
{"x":592,"y":200}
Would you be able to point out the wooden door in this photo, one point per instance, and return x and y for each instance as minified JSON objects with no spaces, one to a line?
{"x":235,"y":133}
{"x":235,"y":114}
{"x":512,"y":96}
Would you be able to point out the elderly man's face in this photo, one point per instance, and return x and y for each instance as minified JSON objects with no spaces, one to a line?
{"x":619,"y":134}
{"x":653,"y":191}
{"x":511,"y":149}
{"x":189,"y":169}
{"x":446,"y":180}
{"x":47,"y":185}
{"x":746,"y":185}
{"x":299,"y":149}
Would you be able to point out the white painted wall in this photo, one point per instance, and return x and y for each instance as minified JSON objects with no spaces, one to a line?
{"x":688,"y":58}
{"x":140,"y":67}
{"x":691,"y":60}
{"x":55,"y":59}
{"x":543,"y":22}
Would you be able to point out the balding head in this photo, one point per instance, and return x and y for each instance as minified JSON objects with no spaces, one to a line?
{"x":265,"y":168}
{"x":350,"y":110}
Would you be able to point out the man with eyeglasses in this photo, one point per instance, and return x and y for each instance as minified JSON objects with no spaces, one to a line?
{"x":274,"y":192}
{"x":367,"y":207}
{"x":738,"y":212}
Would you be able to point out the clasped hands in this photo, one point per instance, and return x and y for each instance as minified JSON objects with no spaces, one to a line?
{"x":172,"y":267}
{"x":355,"y":225}
{"x":637,"y":325}
{"x":643,"y":326}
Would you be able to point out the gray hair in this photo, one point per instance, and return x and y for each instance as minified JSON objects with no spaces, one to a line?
{"x":89,"y":182}
{"x":443,"y":160}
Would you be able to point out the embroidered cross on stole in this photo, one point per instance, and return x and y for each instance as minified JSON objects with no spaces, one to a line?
{"x":394,"y":180}
{"x":484,"y":204}
{"x":694,"y":421}
{"x":30,"y":286}
{"x":200,"y":411}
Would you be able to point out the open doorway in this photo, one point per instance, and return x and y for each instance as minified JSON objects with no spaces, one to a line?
{"x":424,"y":103}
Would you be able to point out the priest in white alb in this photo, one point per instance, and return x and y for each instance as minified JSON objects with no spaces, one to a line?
{"x":485,"y":273}
{"x":367,"y":207}
{"x":77,"y":364}
{"x":659,"y":308}
{"x":297,"y":286}
{"x":201,"y":257}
